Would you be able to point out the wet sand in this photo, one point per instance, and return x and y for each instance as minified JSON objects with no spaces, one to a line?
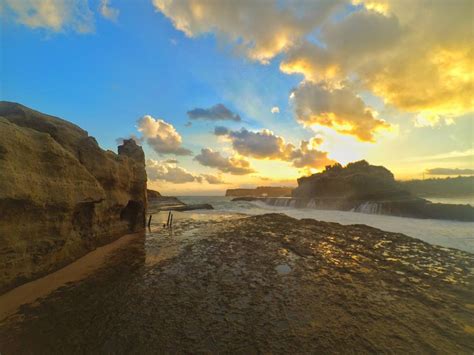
{"x":260,"y":284}
{"x":28,"y":293}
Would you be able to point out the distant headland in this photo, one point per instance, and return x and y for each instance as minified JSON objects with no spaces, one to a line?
{"x":447,"y":187}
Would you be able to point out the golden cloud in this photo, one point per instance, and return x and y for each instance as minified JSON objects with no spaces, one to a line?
{"x":416,"y":56}
{"x":424,"y":62}
{"x":265,"y":145}
{"x":340,"y":109}
{"x":161,"y":136}
{"x":55,"y":15}
{"x":234,"y":165}
{"x":259,"y":29}
{"x":169,"y":171}
{"x":437,"y":82}
{"x":309,"y":157}
{"x":315,"y":63}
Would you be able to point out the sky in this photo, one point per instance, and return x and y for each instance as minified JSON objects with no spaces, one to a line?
{"x":225,"y":94}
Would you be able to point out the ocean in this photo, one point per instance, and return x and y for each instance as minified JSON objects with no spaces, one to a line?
{"x":450,"y":234}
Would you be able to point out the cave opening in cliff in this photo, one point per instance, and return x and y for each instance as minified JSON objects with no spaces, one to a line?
{"x":132,"y":213}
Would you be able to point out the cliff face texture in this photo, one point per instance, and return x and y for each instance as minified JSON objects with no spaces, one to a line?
{"x":61,"y":195}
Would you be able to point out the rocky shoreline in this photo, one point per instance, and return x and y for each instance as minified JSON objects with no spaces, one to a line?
{"x":266,"y":283}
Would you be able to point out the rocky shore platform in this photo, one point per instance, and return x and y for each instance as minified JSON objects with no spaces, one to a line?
{"x":266,"y":283}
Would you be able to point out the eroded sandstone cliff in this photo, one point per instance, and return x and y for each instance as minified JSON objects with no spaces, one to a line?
{"x":61,"y":195}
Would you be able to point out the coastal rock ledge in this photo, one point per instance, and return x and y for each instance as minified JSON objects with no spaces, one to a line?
{"x":61,"y":195}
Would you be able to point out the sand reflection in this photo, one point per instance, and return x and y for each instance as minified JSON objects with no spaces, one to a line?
{"x":76,"y":271}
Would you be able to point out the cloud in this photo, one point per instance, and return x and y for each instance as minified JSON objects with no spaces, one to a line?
{"x":314,"y":62}
{"x":309,"y":157}
{"x":108,"y":12}
{"x":53,"y":15}
{"x":214,"y":113}
{"x":258,"y":29}
{"x":454,"y":156}
{"x":340,"y":109}
{"x":161,"y":136}
{"x":275,"y":109}
{"x":213,"y":179}
{"x":416,"y":59}
{"x":360,"y":34}
{"x":165,"y":171}
{"x":221,"y":131}
{"x":429,"y":70}
{"x":260,"y":145}
{"x":266,"y":145}
{"x":447,"y":171}
{"x":171,"y":161}
{"x":231,"y":165}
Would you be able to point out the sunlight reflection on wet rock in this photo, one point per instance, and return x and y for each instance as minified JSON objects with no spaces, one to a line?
{"x":211,"y":285}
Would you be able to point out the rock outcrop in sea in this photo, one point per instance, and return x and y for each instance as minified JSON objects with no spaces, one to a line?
{"x":358,"y":181}
{"x":361,"y":187}
{"x":61,"y":195}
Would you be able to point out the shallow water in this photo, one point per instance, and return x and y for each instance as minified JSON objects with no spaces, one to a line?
{"x":155,"y":245}
{"x":451,"y":234}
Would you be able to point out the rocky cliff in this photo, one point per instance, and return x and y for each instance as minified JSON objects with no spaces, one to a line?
{"x":61,"y":195}
{"x":151,"y":194}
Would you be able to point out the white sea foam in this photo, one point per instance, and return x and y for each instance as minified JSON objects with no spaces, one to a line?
{"x":451,"y":234}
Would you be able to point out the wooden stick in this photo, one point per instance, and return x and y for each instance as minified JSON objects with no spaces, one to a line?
{"x":171,"y":221}
{"x":169,"y":216}
{"x":149,"y":221}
